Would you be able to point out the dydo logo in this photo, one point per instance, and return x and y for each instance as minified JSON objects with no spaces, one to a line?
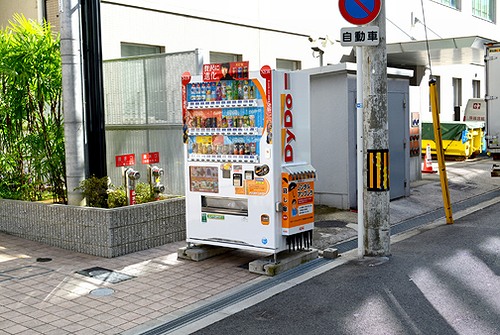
{"x":287,"y":135}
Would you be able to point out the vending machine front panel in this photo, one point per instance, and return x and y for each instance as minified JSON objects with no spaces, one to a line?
{"x":238,"y":135}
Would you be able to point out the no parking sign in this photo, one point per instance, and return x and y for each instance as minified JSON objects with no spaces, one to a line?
{"x":360,"y":12}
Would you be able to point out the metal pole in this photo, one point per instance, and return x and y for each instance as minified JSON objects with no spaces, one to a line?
{"x":74,"y":127}
{"x":376,"y":144}
{"x":93,"y":81}
{"x":439,"y":151}
{"x":359,"y":148}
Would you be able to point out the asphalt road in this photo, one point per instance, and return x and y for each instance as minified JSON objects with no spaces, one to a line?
{"x":444,"y":280}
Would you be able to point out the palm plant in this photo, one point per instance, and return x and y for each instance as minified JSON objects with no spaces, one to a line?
{"x":31,"y":124}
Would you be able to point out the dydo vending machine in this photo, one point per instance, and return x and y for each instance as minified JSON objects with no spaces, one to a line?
{"x":249,"y":181}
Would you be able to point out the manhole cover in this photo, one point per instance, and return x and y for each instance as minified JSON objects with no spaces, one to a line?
{"x":105,"y":275}
{"x":102,"y":292}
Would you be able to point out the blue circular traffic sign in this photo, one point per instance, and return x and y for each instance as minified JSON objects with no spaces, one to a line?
{"x":360,"y":12}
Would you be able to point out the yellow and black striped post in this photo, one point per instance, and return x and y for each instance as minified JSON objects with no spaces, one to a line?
{"x":378,"y":170}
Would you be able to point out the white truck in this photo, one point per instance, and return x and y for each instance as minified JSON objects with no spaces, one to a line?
{"x":492,"y":61}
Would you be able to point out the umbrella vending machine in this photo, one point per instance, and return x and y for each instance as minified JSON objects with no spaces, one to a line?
{"x":249,"y":181}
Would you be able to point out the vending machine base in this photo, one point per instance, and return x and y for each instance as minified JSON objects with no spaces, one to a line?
{"x":201,"y":252}
{"x":270,"y":265}
{"x":286,"y":260}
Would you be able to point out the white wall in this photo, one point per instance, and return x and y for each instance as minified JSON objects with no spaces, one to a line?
{"x":259,"y":46}
{"x":321,"y":18}
{"x":8,"y":8}
{"x":443,"y":22}
{"x":302,"y":19}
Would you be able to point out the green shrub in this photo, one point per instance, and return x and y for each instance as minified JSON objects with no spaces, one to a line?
{"x":143,"y":193}
{"x":99,"y":193}
{"x":117,"y":197}
{"x":95,"y":191}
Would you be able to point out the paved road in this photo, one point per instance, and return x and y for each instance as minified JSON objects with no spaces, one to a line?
{"x":444,"y":280}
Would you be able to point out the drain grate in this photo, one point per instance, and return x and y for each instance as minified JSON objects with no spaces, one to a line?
{"x":330,"y":224}
{"x":24,"y":272}
{"x":105,"y":275}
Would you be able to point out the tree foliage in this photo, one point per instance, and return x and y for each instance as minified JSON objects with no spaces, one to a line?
{"x":31,"y":124}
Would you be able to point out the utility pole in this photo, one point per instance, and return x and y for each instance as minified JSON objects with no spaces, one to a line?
{"x":376,"y":143}
{"x":74,"y":127}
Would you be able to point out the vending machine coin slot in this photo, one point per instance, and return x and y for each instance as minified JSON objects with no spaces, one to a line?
{"x":237,"y":180}
{"x":248,"y":175}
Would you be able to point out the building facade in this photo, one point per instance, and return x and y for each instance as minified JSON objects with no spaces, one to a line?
{"x":283,"y":35}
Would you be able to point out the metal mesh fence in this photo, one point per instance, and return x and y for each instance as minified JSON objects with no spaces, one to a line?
{"x":142,"y":97}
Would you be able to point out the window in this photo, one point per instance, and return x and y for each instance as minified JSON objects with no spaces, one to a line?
{"x":484,"y":9}
{"x":457,"y":97}
{"x":221,"y":57}
{"x":457,"y":91}
{"x":476,"y":89}
{"x":286,"y":64}
{"x":450,"y":3}
{"x":129,"y":49}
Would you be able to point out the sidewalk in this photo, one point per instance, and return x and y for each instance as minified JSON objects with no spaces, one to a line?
{"x":42,"y":293}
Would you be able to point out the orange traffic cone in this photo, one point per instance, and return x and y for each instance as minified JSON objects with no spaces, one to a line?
{"x":428,"y":161}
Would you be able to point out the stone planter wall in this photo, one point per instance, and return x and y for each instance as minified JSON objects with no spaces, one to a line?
{"x":96,"y":231}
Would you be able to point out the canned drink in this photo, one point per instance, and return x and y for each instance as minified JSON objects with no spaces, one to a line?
{"x":241,"y":149}
{"x":253,"y":148}
{"x":208,"y":122}
{"x":230,"y":122}
{"x":223,"y":122}
{"x":236,"y":149}
{"x":247,"y":148}
{"x":246,"y":121}
{"x":194,"y":148}
{"x":251,"y":121}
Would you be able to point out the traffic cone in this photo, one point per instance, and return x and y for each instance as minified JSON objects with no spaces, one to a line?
{"x":428,"y":161}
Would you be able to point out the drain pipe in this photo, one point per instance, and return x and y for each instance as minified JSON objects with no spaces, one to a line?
{"x":359,"y":148}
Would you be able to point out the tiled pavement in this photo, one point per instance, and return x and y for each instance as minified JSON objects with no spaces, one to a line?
{"x":52,"y":298}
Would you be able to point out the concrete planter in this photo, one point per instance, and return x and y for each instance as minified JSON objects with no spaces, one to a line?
{"x":96,"y":231}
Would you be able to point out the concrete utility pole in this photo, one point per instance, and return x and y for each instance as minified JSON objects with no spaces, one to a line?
{"x":74,"y":128}
{"x":376,"y":143}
